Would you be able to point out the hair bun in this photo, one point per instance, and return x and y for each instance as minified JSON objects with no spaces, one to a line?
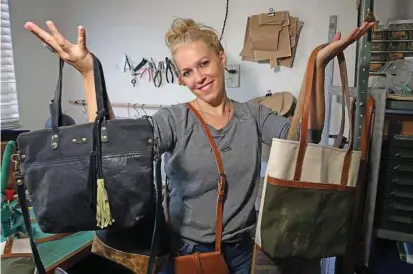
{"x":181,"y":26}
{"x":178,"y":29}
{"x":184,"y":30}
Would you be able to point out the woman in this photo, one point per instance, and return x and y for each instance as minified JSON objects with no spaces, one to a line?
{"x":238,"y":129}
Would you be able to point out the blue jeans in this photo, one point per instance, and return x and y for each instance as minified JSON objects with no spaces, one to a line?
{"x":238,"y":256}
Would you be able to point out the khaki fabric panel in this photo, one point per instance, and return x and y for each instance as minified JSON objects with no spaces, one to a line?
{"x":321,"y":164}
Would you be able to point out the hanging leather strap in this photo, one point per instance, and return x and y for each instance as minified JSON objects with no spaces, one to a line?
{"x":221,"y":181}
{"x":313,"y":84}
{"x":297,"y":117}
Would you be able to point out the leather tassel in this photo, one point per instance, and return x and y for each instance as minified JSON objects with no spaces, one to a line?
{"x":103,"y":213}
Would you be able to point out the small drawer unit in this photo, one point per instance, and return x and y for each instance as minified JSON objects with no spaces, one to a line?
{"x":394,"y":203}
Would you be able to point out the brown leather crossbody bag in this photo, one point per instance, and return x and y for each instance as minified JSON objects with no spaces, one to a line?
{"x":210,"y":262}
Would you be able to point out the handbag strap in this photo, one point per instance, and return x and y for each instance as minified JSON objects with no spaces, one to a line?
{"x":159,"y":214}
{"x":100,"y":90}
{"x":313,"y":84}
{"x":21,"y":192}
{"x":221,"y":181}
{"x":56,"y":106}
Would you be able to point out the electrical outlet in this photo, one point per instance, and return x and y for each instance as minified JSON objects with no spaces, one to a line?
{"x":232,"y":74}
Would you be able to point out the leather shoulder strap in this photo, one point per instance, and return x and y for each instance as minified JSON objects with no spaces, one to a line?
{"x":222,"y":179}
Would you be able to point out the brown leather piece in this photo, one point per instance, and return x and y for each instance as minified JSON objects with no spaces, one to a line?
{"x":53,"y":237}
{"x":221,"y":182}
{"x":304,"y":102}
{"x":211,"y":262}
{"x":308,"y":185}
{"x":367,"y":128}
{"x":16,"y":255}
{"x":134,"y":262}
{"x":201,"y":263}
{"x":7,"y":247}
{"x":346,"y":95}
{"x":312,"y":89}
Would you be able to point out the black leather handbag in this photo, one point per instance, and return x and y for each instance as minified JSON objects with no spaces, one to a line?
{"x":94,"y":176}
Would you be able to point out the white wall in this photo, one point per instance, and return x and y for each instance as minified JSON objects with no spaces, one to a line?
{"x":137,"y":28}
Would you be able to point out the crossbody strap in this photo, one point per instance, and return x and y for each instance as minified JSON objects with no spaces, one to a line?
{"x":221,"y":181}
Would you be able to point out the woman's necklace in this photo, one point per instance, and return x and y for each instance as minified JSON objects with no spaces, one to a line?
{"x":203,"y":113}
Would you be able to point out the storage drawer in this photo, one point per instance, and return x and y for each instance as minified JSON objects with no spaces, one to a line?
{"x":398,"y":153}
{"x":394,"y":179}
{"x":398,"y":35}
{"x":396,"y":194}
{"x":397,"y":46}
{"x":401,"y":168}
{"x":397,"y":125}
{"x":378,"y":35}
{"x":395,"y":219}
{"x":398,"y":55}
{"x":394,"y":187}
{"x":378,"y":46}
{"x":374,"y":67}
{"x":402,"y":141}
{"x":378,"y":57}
{"x":398,"y":148}
{"x":388,"y":199}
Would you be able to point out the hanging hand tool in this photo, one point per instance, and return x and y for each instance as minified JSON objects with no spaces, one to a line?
{"x":136,"y":69}
{"x":127,"y":64}
{"x":132,"y":69}
{"x":157,"y":78}
{"x":148,"y":70}
{"x":140,"y":65}
{"x":170,"y":70}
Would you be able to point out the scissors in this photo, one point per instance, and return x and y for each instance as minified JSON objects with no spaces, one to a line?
{"x":170,"y":70}
{"x":157,"y":78}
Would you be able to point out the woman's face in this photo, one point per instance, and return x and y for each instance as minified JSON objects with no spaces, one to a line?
{"x":202,"y":70}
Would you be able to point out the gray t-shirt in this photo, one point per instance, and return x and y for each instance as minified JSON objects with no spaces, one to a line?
{"x":191,"y":169}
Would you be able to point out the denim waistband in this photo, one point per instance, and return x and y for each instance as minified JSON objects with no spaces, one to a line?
{"x":244,"y":242}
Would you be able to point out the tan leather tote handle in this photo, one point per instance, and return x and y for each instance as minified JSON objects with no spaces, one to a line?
{"x":295,"y":122}
{"x":311,"y":85}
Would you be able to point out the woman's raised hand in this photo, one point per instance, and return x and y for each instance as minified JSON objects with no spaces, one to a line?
{"x":337,"y":45}
{"x":76,"y":55}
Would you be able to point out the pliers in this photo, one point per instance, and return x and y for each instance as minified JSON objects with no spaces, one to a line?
{"x":170,"y":70}
{"x":157,"y":78}
{"x":149,"y":70}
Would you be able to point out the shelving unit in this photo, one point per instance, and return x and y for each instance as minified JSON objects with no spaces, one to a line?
{"x":392,"y":49}
{"x":360,"y":93}
{"x":389,"y":45}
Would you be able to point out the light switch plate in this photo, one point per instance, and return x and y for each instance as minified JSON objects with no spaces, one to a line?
{"x":232,"y":79}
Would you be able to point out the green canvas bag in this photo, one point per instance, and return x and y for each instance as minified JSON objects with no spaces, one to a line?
{"x":309,"y":192}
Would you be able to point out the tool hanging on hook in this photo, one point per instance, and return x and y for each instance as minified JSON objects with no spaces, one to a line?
{"x":157,"y":78}
{"x":132,"y":69}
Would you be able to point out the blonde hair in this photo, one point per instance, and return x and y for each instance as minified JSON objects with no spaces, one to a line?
{"x":184,"y":30}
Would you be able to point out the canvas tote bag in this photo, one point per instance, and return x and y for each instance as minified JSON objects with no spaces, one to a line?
{"x":308,"y":193}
